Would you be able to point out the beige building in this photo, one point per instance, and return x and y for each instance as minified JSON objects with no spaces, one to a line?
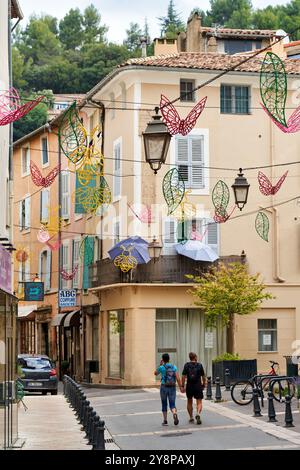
{"x":151,"y":311}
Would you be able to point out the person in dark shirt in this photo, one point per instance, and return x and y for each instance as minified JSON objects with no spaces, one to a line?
{"x":193,"y":372}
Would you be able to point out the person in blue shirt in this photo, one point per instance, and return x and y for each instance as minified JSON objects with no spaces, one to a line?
{"x":169,"y":377}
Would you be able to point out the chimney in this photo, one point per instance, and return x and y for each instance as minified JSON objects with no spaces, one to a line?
{"x":193,"y":33}
{"x":165,"y":46}
{"x":144,"y":43}
{"x":279,"y":49}
{"x":212,"y":45}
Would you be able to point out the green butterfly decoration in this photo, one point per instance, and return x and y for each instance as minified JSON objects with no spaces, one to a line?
{"x":262,"y":226}
{"x":273,"y":87}
{"x":173,"y":189}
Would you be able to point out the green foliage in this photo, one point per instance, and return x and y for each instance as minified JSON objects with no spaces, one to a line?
{"x":172,"y":23}
{"x":227,"y":357}
{"x":71,"y":30}
{"x":230,"y":13}
{"x":228,"y":290}
{"x":134,"y":34}
{"x":94,"y":32}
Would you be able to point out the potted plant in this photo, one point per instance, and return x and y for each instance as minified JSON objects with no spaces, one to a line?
{"x":240,"y":369}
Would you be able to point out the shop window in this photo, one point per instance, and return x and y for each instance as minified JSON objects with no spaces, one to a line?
{"x":116,"y":353}
{"x":267,"y":335}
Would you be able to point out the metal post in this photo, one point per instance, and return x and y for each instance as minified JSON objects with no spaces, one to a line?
{"x":208,"y":389}
{"x":271,"y":409}
{"x":90,"y":425}
{"x":99,"y":439}
{"x":227,"y":380}
{"x":218,"y":396}
{"x":85,"y":412}
{"x":256,"y":405}
{"x":288,"y":413}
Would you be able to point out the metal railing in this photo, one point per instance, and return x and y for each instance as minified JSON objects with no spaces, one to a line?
{"x":91,"y":423}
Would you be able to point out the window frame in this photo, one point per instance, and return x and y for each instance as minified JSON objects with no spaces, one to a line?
{"x":23,"y":217}
{"x":76,"y":280}
{"x":233,"y":102}
{"x":187,"y":93}
{"x":65,"y":194}
{"x":117,"y":178}
{"x":266,"y":331}
{"x":25,"y":173}
{"x":45,"y":138}
{"x":121,"y":335}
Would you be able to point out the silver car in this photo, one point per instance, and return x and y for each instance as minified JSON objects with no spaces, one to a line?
{"x":39,"y":374}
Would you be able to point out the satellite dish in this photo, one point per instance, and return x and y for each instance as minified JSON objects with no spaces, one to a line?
{"x":282,"y":33}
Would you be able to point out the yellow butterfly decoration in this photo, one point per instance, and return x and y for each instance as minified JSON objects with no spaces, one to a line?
{"x":126,"y":262}
{"x":186,"y":210}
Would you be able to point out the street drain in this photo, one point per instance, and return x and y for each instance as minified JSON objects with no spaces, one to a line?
{"x":109,"y":441}
{"x":178,"y":434}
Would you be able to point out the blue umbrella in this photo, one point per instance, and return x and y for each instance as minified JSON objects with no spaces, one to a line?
{"x":136,"y":246}
{"x":197,"y":251}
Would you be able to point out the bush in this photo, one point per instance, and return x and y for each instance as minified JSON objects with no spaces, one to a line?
{"x":227,"y":357}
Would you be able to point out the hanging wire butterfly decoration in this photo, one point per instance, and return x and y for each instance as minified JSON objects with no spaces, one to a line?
{"x":186,"y":210}
{"x":174,"y":123}
{"x":265,"y":185}
{"x":220,"y":199}
{"x":11,"y":108}
{"x":72,"y":135}
{"x":144,"y":214}
{"x":92,"y":198}
{"x":38,"y":178}
{"x":273,"y":90}
{"x":173,"y":189}
{"x":126,"y":262}
{"x":43,"y":235}
{"x":86,"y":250}
{"x":69,"y":276}
{"x":262,"y":226}
{"x":54,"y":246}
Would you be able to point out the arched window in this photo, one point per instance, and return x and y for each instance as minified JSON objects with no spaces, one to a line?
{"x":123,"y":95}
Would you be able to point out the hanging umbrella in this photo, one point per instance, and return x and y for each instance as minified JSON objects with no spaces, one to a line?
{"x":136,"y":246}
{"x":197,"y":251}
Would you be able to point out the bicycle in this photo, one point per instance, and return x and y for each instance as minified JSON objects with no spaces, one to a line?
{"x":242,"y":391}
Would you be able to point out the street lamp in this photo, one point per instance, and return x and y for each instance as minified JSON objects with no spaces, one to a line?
{"x":37,"y":279}
{"x":156,"y":141}
{"x":155,"y":249}
{"x":241,"y":190}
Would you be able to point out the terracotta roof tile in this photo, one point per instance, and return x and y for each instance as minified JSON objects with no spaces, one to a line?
{"x":208,"y":61}
{"x":262,"y":33}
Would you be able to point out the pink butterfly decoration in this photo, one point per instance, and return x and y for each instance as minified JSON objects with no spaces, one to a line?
{"x":293,"y":124}
{"x":145,"y":215}
{"x":38,"y":178}
{"x":55,"y":247}
{"x":265,"y":185}
{"x":222,"y":216}
{"x":43,"y":236}
{"x":11,"y":109}
{"x":171,"y":118}
{"x":69,"y":276}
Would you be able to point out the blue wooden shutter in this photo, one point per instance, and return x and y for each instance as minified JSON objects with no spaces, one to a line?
{"x":89,"y":246}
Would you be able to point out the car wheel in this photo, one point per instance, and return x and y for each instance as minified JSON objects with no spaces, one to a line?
{"x":44,"y":392}
{"x":54,"y":392}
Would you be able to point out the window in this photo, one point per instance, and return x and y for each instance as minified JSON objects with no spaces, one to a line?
{"x":234,"y":46}
{"x":116,"y":336}
{"x":65,"y":184}
{"x":44,"y":206}
{"x":45,"y":155}
{"x":76,"y":261}
{"x":24,"y":214}
{"x":177,"y":232}
{"x":116,"y":232}
{"x":65,"y":263}
{"x":95,"y":337}
{"x":25,"y":161}
{"x":267,"y":335}
{"x":186,"y":90}
{"x":117,"y":169}
{"x":24,"y":275}
{"x":190,"y":160}
{"x":235,"y":99}
{"x":45,"y":269}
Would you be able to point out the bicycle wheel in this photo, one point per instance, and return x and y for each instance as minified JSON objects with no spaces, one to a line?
{"x":281,"y":388}
{"x":242,"y":392}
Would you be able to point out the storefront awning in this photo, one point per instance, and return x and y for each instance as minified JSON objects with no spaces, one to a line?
{"x":25,"y":311}
{"x":59,"y":319}
{"x":71,"y":318}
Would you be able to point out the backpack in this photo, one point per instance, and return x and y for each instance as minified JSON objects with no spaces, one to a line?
{"x":170,"y":376}
{"x":193,"y":372}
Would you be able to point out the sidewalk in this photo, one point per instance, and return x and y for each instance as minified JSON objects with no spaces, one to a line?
{"x":49,"y":424}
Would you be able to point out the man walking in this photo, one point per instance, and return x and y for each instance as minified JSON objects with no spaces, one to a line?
{"x":169,"y":376}
{"x":194,"y":373}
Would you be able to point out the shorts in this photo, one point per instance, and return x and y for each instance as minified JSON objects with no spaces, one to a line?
{"x":194,"y":391}
{"x":167,"y":393}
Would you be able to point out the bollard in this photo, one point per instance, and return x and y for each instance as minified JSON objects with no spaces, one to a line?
{"x":218,"y":396}
{"x":256,"y":405}
{"x":99,"y":436}
{"x":82,"y":400}
{"x":96,"y":419}
{"x":288,"y":413}
{"x":84,"y":414}
{"x":271,"y":409}
{"x":227,"y":380}
{"x":90,"y":425}
{"x":208,"y":390}
{"x":88,"y":409}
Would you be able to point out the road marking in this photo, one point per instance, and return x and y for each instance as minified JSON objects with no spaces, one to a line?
{"x":125,"y":402}
{"x":179,"y":431}
{"x":287,"y":446}
{"x":142,"y":413}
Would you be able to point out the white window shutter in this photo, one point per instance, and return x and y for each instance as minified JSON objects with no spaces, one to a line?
{"x":45,"y":200}
{"x":117,"y":170}
{"x":212,"y":236}
{"x":48,"y":271}
{"x":76,"y":262}
{"x":27,"y":212}
{"x":65,"y":182}
{"x":182,"y":158}
{"x":197,"y":162}
{"x":170,"y":236}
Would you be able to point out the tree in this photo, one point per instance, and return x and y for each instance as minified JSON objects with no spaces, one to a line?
{"x":230,"y":13}
{"x":93,"y":30}
{"x":134,"y":34}
{"x":172,"y":23}
{"x":202,"y":14}
{"x":226,"y":291}
{"x":18,"y":69}
{"x":71,"y":30}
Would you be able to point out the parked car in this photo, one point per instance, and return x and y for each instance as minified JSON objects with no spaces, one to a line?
{"x":38,"y":374}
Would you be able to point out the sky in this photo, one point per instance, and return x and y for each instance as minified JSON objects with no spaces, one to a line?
{"x":117,"y":14}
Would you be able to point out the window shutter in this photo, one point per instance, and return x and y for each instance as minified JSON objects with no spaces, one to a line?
{"x":27,"y":213}
{"x":89,"y":247}
{"x":213,"y":235}
{"x":45,"y":200}
{"x":197,"y":170}
{"x":65,"y":195}
{"x":27,"y":271}
{"x":182,"y":157}
{"x":117,"y":170}
{"x":183,"y":231}
{"x":76,"y":262}
{"x":21,"y":216}
{"x":170,"y":236}
{"x":48,"y":271}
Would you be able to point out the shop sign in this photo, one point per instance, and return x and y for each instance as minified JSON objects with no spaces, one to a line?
{"x":209,"y":340}
{"x":33,"y":291}
{"x":67,"y":298}
{"x":5,"y":270}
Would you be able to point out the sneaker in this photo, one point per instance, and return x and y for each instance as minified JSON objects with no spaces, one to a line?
{"x":198,"y":419}
{"x":165,"y":423}
{"x":191,"y":420}
{"x":176,"y":420}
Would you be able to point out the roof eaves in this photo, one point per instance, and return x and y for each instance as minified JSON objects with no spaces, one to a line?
{"x":16,"y":11}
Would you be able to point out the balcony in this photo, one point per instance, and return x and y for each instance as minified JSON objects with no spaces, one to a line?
{"x":166,"y":270}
